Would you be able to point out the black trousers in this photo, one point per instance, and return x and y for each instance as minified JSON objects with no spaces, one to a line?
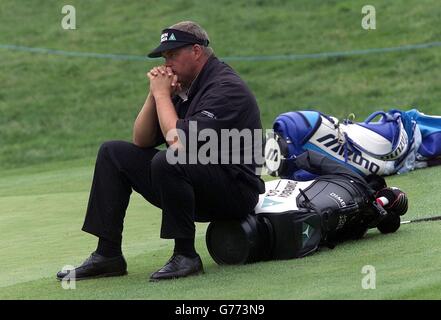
{"x":185,"y":193}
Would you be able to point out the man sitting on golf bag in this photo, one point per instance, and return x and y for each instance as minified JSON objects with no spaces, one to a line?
{"x":294,"y":218}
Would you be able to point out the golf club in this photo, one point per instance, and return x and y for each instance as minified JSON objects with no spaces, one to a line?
{"x":434,"y":218}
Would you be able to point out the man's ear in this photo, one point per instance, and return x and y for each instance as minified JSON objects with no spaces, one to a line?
{"x":197,"y":49}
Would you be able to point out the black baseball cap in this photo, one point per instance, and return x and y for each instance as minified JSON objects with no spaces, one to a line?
{"x":173,"y":39}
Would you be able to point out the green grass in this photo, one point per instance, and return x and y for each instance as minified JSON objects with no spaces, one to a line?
{"x":61,"y":108}
{"x":55,"y":111}
{"x":41,"y":233}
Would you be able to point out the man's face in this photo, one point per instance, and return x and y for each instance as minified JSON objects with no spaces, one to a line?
{"x":183,"y":63}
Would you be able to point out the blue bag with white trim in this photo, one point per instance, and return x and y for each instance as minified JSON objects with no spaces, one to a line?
{"x":397,"y":142}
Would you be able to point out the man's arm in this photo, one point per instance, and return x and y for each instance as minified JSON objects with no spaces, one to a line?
{"x":162,"y":84}
{"x":145,"y":128}
{"x":166,"y":114}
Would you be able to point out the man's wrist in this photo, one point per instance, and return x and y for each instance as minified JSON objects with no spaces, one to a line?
{"x":162,"y":96}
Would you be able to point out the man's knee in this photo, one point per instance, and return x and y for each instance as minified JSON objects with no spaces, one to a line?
{"x":112,"y":147}
{"x":160,"y":164}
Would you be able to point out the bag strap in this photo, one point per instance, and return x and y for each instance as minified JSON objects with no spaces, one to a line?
{"x":384,"y":117}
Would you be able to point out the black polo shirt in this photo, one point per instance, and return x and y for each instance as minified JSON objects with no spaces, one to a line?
{"x":219,"y":99}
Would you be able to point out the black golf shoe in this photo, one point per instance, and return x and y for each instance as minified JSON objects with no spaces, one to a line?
{"x":96,"y":266}
{"x":178,"y":266}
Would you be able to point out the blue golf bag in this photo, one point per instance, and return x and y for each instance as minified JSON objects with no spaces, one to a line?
{"x":398,"y":142}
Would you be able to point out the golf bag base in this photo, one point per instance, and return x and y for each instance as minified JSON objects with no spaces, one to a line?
{"x":240,"y":241}
{"x":261,"y":237}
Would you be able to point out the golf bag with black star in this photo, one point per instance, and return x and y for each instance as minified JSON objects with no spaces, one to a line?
{"x":295,"y":218}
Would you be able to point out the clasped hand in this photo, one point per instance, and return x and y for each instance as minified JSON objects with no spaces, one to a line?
{"x":163,"y":82}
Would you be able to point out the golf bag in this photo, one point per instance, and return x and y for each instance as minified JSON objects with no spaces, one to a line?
{"x":294,"y":218}
{"x":399,"y":142}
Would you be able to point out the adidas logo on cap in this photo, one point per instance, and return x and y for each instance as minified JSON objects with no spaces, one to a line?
{"x":164,"y":37}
